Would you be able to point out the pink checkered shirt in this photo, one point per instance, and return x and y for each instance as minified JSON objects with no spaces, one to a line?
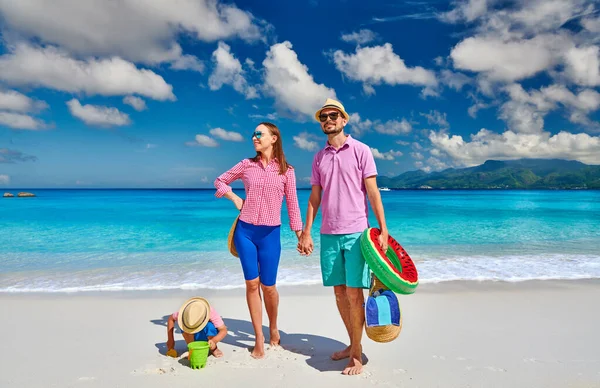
{"x":265,"y":189}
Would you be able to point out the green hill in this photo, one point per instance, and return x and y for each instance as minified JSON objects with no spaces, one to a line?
{"x":511,"y":174}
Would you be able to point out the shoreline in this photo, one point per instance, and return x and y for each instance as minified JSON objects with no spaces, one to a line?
{"x":319,"y":289}
{"x":455,"y":334}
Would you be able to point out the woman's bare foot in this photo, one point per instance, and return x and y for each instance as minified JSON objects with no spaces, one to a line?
{"x":354,"y":367}
{"x":340,"y":355}
{"x":259,"y":349}
{"x":275,"y":340}
{"x":217,"y":353}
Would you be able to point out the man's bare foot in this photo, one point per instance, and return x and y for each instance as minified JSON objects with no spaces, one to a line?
{"x":340,"y":355}
{"x":217,"y":353}
{"x":275,"y":340}
{"x":354,"y":367}
{"x":259,"y":349}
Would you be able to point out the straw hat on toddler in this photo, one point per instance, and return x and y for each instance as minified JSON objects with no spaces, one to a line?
{"x":194,"y":315}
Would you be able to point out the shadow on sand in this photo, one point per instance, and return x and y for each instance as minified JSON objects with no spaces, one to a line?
{"x":240,"y":334}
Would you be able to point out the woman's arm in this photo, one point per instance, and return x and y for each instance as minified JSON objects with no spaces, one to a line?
{"x":224,"y":180}
{"x":291,"y":198}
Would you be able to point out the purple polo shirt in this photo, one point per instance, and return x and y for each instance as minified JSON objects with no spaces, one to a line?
{"x":341,"y":174}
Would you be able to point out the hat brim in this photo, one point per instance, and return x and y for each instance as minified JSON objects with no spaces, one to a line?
{"x":343,"y":112}
{"x":180,"y":322}
{"x":230,"y":243}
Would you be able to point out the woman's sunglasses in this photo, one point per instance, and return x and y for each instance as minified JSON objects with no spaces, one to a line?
{"x":257,"y":134}
{"x":333,"y":116}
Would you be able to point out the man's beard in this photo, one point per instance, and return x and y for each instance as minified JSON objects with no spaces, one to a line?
{"x":333,"y":131}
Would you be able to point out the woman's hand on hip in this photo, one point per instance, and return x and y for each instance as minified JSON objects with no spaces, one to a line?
{"x":238,"y":202}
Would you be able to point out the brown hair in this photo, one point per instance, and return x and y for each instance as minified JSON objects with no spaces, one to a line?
{"x":277,"y":148}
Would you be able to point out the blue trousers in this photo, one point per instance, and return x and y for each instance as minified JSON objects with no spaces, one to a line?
{"x":259,"y":248}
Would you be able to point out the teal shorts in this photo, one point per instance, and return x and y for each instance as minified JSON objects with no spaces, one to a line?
{"x":342,"y":262}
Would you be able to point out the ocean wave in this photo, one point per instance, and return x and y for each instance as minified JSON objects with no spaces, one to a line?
{"x":227,"y":275}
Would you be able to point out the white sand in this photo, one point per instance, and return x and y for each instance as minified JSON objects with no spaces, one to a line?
{"x":533,"y":334}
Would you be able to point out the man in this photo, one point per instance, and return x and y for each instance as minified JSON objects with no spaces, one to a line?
{"x":343,"y":176}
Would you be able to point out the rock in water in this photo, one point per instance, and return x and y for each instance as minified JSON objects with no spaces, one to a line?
{"x":8,"y":195}
{"x":23,"y":194}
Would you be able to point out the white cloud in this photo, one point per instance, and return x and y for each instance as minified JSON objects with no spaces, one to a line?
{"x":360,"y":126}
{"x":505,"y":60}
{"x":228,"y":71}
{"x":138,"y":31}
{"x":486,"y":145}
{"x":454,"y":80}
{"x":393,"y":127}
{"x":583,"y":65}
{"x":380,"y":65}
{"x":303,"y":142}
{"x":417,"y":155}
{"x":403,"y":143}
{"x":525,"y":111}
{"x":591,"y":24}
{"x":4,"y":179}
{"x":53,"y":68}
{"x":389,"y":155}
{"x":21,"y":121}
{"x":135,"y":102}
{"x":17,"y":102}
{"x":202,"y":141}
{"x":360,"y":37}
{"x":12,"y":156}
{"x":268,"y":116}
{"x":98,"y":115}
{"x":226,"y":135}
{"x":436,"y":118}
{"x":466,"y":11}
{"x":289,"y":81}
{"x":436,"y":164}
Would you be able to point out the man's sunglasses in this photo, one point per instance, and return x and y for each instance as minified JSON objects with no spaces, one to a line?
{"x":333,"y":116}
{"x":257,"y":134}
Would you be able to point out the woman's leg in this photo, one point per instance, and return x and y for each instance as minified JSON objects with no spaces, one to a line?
{"x":247,"y":251}
{"x":255,"y":306}
{"x":269,"y":253}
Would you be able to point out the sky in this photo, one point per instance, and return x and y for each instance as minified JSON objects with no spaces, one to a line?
{"x":166,"y":93}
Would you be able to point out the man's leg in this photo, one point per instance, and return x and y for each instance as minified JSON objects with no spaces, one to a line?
{"x":341,"y":299}
{"x":357,"y":279}
{"x":357,"y":320}
{"x":334,"y":275}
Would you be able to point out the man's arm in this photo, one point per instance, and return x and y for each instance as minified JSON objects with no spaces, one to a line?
{"x":305,"y":245}
{"x":377,"y":206}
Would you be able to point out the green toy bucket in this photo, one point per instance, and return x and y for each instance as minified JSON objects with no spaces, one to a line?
{"x":198,"y":354}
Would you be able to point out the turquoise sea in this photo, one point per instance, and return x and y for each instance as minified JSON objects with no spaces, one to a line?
{"x":96,"y":240}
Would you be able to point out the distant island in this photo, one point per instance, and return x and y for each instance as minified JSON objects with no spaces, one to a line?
{"x":551,"y":174}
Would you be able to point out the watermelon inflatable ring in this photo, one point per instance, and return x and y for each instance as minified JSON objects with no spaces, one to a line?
{"x":393,"y":268}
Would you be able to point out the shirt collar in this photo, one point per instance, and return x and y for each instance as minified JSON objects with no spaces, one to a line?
{"x":348,"y":143}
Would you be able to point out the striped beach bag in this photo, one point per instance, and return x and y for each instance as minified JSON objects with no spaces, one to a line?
{"x":383,"y":318}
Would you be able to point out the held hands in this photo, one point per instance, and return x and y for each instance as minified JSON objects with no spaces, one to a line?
{"x":305,"y":244}
{"x":212,"y":344}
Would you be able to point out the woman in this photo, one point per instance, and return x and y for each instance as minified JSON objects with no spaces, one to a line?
{"x":267,"y":178}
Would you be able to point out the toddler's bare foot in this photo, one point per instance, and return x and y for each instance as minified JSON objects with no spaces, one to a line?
{"x":217,"y":353}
